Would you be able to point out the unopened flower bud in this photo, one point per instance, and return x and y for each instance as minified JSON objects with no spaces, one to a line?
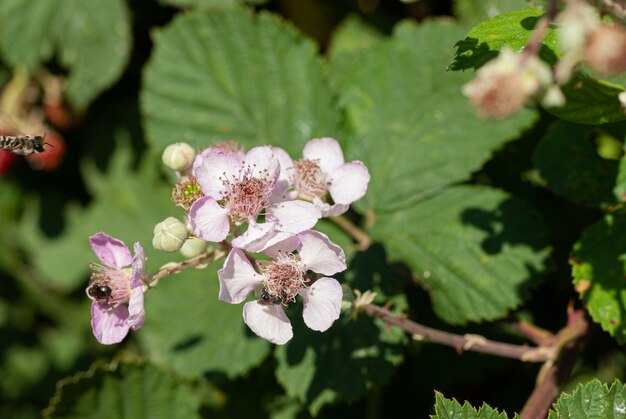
{"x":622,"y":100}
{"x":169,"y":235}
{"x":553,"y":98}
{"x":193,"y":247}
{"x":605,"y":50}
{"x":178,"y":156}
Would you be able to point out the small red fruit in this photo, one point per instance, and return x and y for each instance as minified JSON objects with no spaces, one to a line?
{"x":50,"y":159}
{"x":6,"y":161}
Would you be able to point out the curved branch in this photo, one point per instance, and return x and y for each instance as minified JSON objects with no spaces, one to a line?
{"x":461,"y":343}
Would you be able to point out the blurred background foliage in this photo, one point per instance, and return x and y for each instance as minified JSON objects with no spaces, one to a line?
{"x":473,"y":221}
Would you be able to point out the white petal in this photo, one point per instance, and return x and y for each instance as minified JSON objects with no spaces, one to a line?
{"x":212,"y":165}
{"x":237,"y":278}
{"x":294,"y":216}
{"x":281,"y":243}
{"x":268,"y":322}
{"x":330,"y":210}
{"x":349,"y":182}
{"x":255,"y":238}
{"x":319,"y":254}
{"x":286,"y":169}
{"x":208,"y":220}
{"x":322,"y":303}
{"x":263,"y":163}
{"x":326,"y":150}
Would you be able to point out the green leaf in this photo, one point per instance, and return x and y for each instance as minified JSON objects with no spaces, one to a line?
{"x":598,"y":267}
{"x":451,"y":409}
{"x":400,"y":103}
{"x":354,"y":355}
{"x":590,"y":101}
{"x":592,"y":400}
{"x":126,"y":205}
{"x":188,"y":329}
{"x":475,"y":249}
{"x":123,"y":391}
{"x":512,"y":29}
{"x":25,"y":27}
{"x":230,"y":75}
{"x":472,"y":12}
{"x":92,"y":39}
{"x":568,"y":160}
{"x":352,"y":37}
{"x":94,"y":44}
{"x":209,"y":3}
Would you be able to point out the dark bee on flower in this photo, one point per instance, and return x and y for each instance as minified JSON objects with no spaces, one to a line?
{"x":267,"y":299}
{"x":23,"y":145}
{"x":99,"y":292}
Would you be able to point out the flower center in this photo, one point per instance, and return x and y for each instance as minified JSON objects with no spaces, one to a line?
{"x":247,"y":195}
{"x":108,"y":286}
{"x":309,"y":178}
{"x":283,"y":279}
{"x":186,"y":191}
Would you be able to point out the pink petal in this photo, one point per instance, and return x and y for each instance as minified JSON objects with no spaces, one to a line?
{"x":109,"y":326}
{"x":110,"y":251}
{"x":212,"y":165}
{"x":328,"y":210}
{"x":139,"y":260}
{"x":237,"y":278}
{"x":349,"y":182}
{"x":208,"y":220}
{"x":322,"y":303}
{"x":262,"y":160}
{"x":286,"y":169}
{"x":137,"y":314}
{"x":136,"y":311}
{"x":268,"y":322}
{"x":294,"y":216}
{"x":255,"y":238}
{"x":319,"y":254}
{"x":327,"y":151}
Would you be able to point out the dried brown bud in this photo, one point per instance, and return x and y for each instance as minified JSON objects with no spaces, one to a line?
{"x":502,"y":86}
{"x":605,"y":49}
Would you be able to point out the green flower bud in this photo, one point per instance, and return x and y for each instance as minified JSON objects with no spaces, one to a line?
{"x":178,"y":156}
{"x":169,"y":235}
{"x":193,"y":247}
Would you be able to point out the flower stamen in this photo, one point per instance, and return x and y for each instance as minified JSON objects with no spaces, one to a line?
{"x":309,"y":178}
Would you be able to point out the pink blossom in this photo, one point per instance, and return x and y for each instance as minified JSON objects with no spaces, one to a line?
{"x":278,"y":281}
{"x":240,"y":190}
{"x":322,"y":171}
{"x":112,"y":286}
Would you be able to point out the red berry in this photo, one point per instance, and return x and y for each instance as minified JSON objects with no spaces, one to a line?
{"x":50,"y":159}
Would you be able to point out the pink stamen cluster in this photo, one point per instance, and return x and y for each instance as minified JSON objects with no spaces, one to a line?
{"x":284,"y":279}
{"x":246,"y":195}
{"x":308,"y":177}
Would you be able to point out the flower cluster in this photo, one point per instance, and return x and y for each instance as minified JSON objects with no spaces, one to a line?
{"x":256,"y":202}
{"x":513,"y":79}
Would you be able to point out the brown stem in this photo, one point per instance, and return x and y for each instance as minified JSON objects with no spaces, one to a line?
{"x":536,"y":334}
{"x":616,"y":7}
{"x":461,"y":342}
{"x":534,"y":45}
{"x":571,"y":341}
{"x":172,"y":268}
{"x":362,"y":238}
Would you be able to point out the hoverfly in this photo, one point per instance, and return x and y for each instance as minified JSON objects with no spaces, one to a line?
{"x":24,"y":145}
